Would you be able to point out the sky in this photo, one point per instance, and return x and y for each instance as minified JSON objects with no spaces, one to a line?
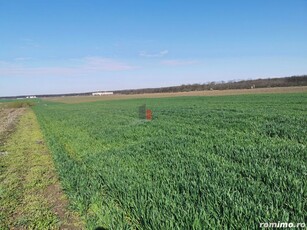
{"x":67,"y":46}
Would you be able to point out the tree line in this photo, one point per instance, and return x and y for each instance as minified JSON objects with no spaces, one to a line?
{"x":243,"y":84}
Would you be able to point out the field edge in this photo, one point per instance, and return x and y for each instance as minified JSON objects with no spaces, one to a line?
{"x":31,"y":194}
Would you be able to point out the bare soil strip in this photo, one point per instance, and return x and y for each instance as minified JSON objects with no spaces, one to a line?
{"x":79,"y":99}
{"x":8,"y":119}
{"x":30,"y":193}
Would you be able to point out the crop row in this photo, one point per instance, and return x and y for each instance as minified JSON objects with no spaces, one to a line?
{"x":202,"y":162}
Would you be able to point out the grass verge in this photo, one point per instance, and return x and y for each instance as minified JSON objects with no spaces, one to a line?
{"x":30,"y":194}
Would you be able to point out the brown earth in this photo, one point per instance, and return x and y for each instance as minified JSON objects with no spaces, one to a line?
{"x":59,"y":205}
{"x":8,"y":120}
{"x":80,"y":99}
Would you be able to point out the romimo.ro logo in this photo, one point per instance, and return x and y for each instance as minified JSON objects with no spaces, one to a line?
{"x":282,"y":225}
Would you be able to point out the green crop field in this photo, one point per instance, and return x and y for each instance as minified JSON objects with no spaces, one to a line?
{"x":201,"y":163}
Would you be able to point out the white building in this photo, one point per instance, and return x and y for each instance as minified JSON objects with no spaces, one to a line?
{"x":102,"y":93}
{"x":31,"y":96}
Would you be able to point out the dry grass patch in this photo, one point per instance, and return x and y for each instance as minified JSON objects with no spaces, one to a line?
{"x":8,"y":120}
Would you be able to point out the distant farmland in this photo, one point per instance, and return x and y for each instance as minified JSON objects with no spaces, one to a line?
{"x":78,"y":99}
{"x":201,"y":163}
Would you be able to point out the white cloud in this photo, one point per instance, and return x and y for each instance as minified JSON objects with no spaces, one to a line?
{"x":105,"y":64}
{"x":28,"y":43}
{"x":86,"y":66}
{"x":152,"y":55}
{"x":22,"y":59}
{"x":176,"y":62}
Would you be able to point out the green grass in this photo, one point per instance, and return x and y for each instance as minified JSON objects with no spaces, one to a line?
{"x":201,"y":163}
{"x":26,"y":174}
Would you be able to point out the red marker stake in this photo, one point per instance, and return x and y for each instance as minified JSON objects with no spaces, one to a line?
{"x":148,"y":114}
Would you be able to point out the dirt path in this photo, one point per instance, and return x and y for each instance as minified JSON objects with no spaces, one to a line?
{"x":8,"y":119}
{"x":30,"y":193}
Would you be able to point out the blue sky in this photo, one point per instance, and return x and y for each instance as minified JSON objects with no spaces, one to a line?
{"x":64,"y":46}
